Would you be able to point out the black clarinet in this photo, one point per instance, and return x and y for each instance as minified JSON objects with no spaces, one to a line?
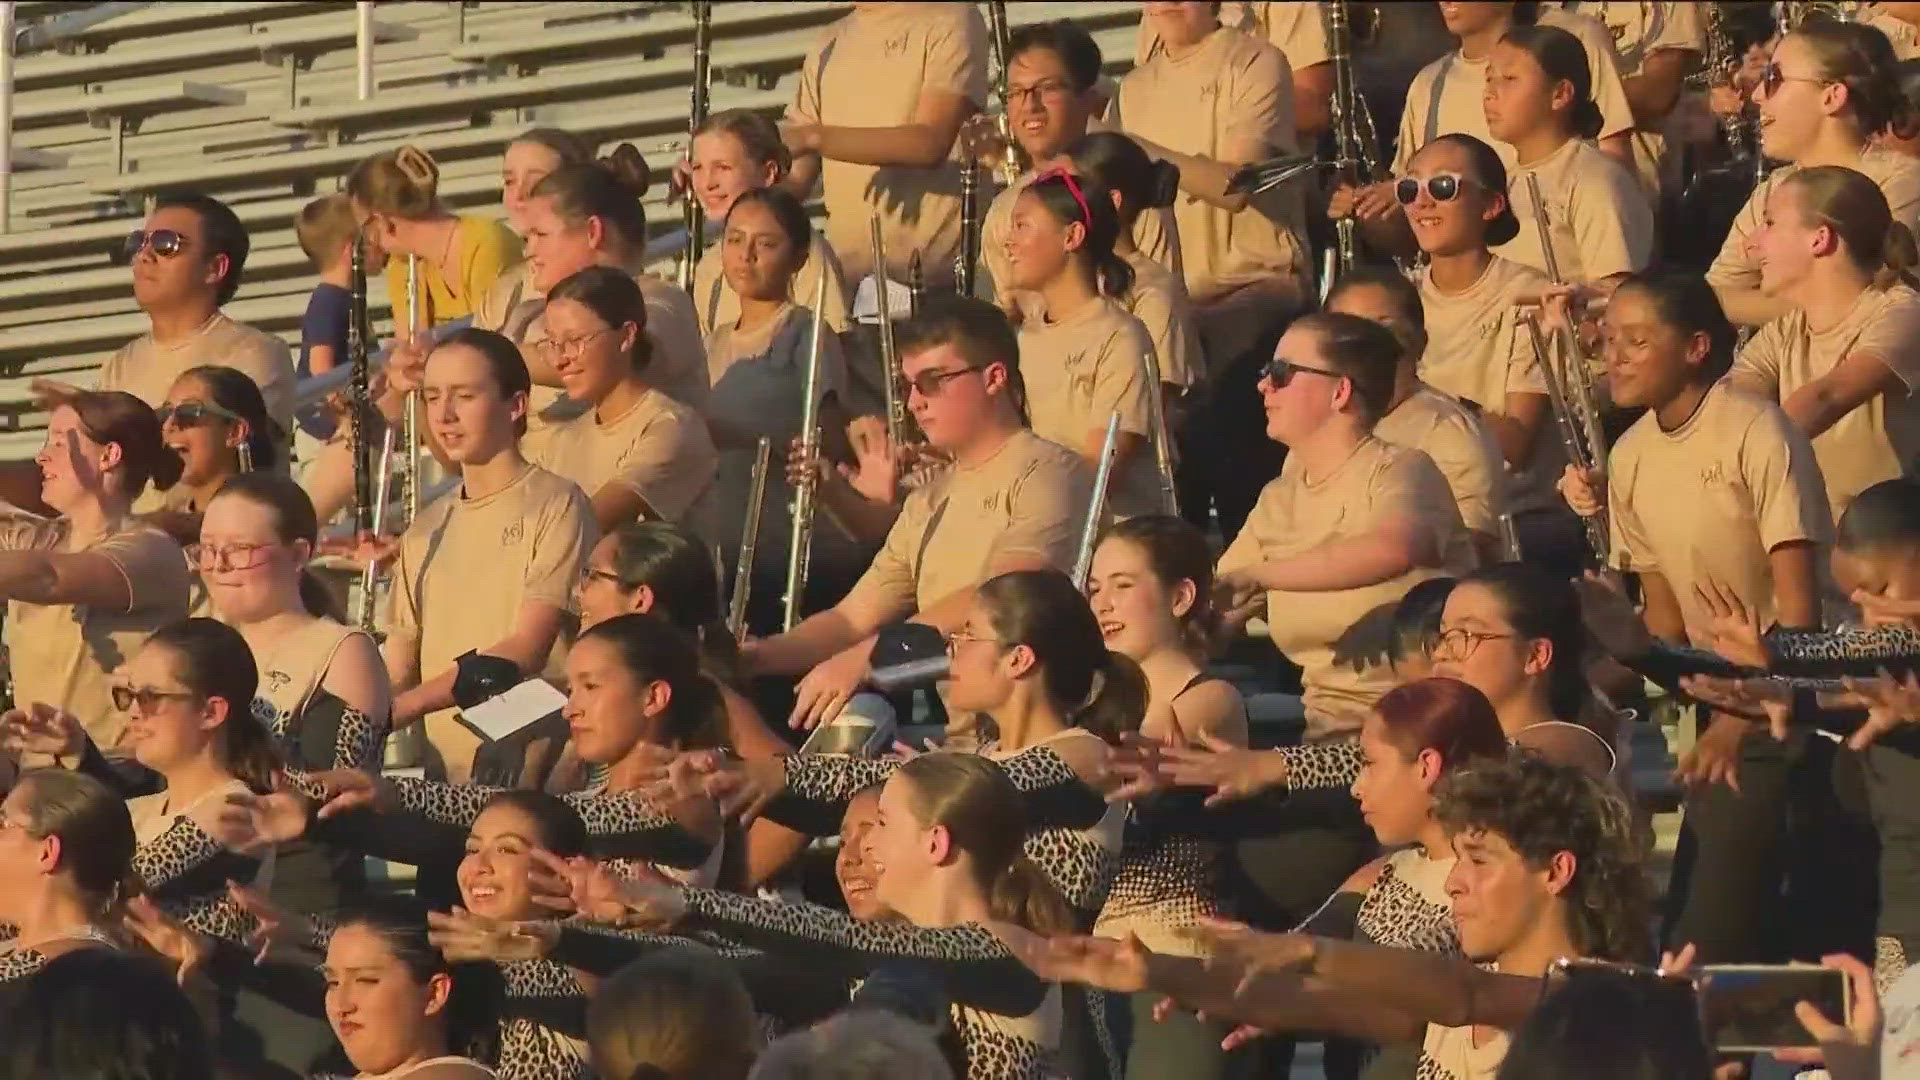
{"x":693,"y":217}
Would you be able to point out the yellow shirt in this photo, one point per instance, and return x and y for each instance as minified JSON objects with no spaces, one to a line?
{"x":1339,"y":639}
{"x":1598,"y":217}
{"x":870,"y":70}
{"x":483,"y":249}
{"x":1080,"y":371}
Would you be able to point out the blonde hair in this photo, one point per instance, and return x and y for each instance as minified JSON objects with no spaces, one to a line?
{"x":403,"y":183}
{"x":324,"y":226}
{"x":1856,"y":210}
{"x":676,"y":1014}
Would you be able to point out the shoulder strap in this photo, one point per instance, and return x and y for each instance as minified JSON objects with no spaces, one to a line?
{"x":713,"y":300}
{"x":1433,"y":100}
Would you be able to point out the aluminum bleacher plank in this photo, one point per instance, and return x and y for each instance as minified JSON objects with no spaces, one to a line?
{"x":179,"y":18}
{"x":184,"y":94}
{"x":40,"y":72}
{"x":651,"y":28}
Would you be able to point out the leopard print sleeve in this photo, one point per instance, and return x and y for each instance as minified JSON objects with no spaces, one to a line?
{"x":447,"y":804}
{"x":1055,"y":795}
{"x":1317,"y":765}
{"x":629,"y":825}
{"x":976,"y":969}
{"x":1860,"y":652}
{"x":819,"y":786}
{"x":184,"y":861}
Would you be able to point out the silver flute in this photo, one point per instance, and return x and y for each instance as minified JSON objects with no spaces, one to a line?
{"x":1097,"y":503}
{"x":891,"y":377}
{"x":749,"y":540}
{"x":801,"y":549}
{"x":1157,"y":420}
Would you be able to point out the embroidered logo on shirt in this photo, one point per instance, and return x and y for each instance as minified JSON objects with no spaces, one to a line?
{"x":515,"y":532}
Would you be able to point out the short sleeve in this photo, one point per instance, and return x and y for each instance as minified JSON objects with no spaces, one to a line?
{"x":1259,"y":118}
{"x":1118,"y":380}
{"x":558,"y":549}
{"x":889,"y":582}
{"x":956,"y":55}
{"x":1902,"y":189}
{"x":492,"y":248}
{"x":1299,"y":32}
{"x":1044,"y":513}
{"x":1893,"y":338}
{"x":805,"y":106}
{"x":1757,"y":368}
{"x":403,"y":605}
{"x":1626,"y":536}
{"x":266,"y":360}
{"x":669,"y":465}
{"x":1245,"y":550}
{"x":1460,"y":453}
{"x":113,"y":372}
{"x":1612,"y":222}
{"x":154,"y":566}
{"x":1169,"y":332}
{"x":1405,"y":488}
{"x":1734,"y":267}
{"x":1523,"y":367}
{"x":1412,"y":117}
{"x":1779,"y":469}
{"x":1678,"y":27}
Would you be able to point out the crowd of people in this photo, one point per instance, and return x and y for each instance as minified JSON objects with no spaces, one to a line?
{"x":1284,"y":568}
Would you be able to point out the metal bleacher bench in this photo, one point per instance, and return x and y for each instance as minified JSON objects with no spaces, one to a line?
{"x":526,"y":54}
{"x":179,"y":18}
{"x":120,"y":111}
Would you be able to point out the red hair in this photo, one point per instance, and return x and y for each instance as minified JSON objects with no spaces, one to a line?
{"x":1443,"y":715}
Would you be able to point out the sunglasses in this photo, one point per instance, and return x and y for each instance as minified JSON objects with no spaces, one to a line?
{"x":192,"y":414}
{"x":165,"y":243}
{"x":1441,"y":187}
{"x":1772,"y":79}
{"x":149,"y":698}
{"x":1281,"y":372}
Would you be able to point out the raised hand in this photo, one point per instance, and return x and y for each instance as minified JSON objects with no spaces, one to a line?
{"x":350,"y":789}
{"x":1733,"y":625}
{"x":1610,"y":617}
{"x":460,"y":935}
{"x":42,"y":729}
{"x":877,"y":464}
{"x":279,"y":930}
{"x":1715,"y":755}
{"x":824,"y":691}
{"x":1249,"y":953}
{"x":1117,"y":966}
{"x":1585,"y":490}
{"x":167,"y":936}
{"x":1233,"y":772}
{"x":1891,"y":703}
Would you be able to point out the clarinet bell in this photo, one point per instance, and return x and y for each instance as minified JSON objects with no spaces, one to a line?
{"x":1263,"y":176}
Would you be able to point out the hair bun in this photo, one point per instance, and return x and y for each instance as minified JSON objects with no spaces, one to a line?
{"x":629,"y":167}
{"x":418,"y":166}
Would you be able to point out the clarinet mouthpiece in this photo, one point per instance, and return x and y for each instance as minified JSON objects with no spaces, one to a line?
{"x":1263,"y":176}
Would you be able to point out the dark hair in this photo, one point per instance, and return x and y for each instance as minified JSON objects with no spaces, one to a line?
{"x":1177,"y":551}
{"x":1541,"y":809}
{"x":222,"y":233}
{"x":976,"y":329}
{"x":1443,"y":715}
{"x":1367,"y":353}
{"x":1685,"y":302}
{"x":570,"y":148}
{"x":609,"y":189}
{"x":1416,"y":618}
{"x":1065,"y":39}
{"x":561,"y":829}
{"x":504,"y":362}
{"x":94,"y":827}
{"x":787,"y":213}
{"x":680,"y":1013}
{"x":119,"y":418}
{"x":1856,"y":210}
{"x":1117,"y":163}
{"x":1487,"y":170}
{"x":1563,"y":59}
{"x":294,"y":519}
{"x":104,"y":1014}
{"x":212,"y":660}
{"x":757,"y":134}
{"x":615,"y":299}
{"x":236,"y":392}
{"x":860,"y":1044}
{"x":400,"y":921}
{"x":1886,"y":514}
{"x":1860,"y":58}
{"x":1544,"y":606}
{"x":1604,"y":1024}
{"x":655,"y":650}
{"x":1103,"y":691}
{"x":1906,"y":75}
{"x":1092,"y":208}
{"x":678,"y":568}
{"x":971,"y":796}
{"x":1401,"y":292}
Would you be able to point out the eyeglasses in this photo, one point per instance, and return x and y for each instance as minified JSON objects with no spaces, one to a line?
{"x":1772,"y":79}
{"x":591,"y":574}
{"x":572,"y":347}
{"x":1073,"y":189}
{"x":231,"y":557}
{"x":165,"y":243}
{"x":1441,"y":187}
{"x":1281,"y":372}
{"x":1050,"y":88}
{"x":1460,"y":643}
{"x":147,"y":697}
{"x":954,"y":639}
{"x":928,"y":383}
{"x":193,"y":413}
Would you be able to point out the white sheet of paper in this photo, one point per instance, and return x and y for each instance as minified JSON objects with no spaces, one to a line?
{"x":501,"y":717}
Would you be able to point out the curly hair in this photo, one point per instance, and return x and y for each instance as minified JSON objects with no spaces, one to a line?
{"x":1541,"y":809}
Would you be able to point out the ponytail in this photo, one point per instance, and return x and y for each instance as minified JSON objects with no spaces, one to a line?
{"x":1117,"y":163}
{"x":719,"y":652}
{"x":319,"y":600}
{"x":1856,"y":210}
{"x":1585,"y":119}
{"x":1119,"y":700}
{"x":1902,"y":255}
{"x":1562,"y":58}
{"x":1084,"y":201}
{"x":1025,"y":897}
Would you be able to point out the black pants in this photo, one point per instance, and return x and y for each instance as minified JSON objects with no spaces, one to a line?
{"x":1783,"y":869}
{"x":1225,"y":454}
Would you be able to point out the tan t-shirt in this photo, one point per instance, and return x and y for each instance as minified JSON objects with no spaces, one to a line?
{"x":1230,"y":90}
{"x":1154,"y":233}
{"x":1028,"y":498}
{"x":147,"y":369}
{"x":1448,"y":432}
{"x":1901,"y":34}
{"x":1641,"y":28}
{"x":715,"y":303}
{"x":1081,"y":370}
{"x":1875,"y":441}
{"x":1339,"y":639}
{"x":1897,"y":174}
{"x":1446,"y":96}
{"x":1598,"y":216}
{"x":1298,"y":30}
{"x":1479,"y":351}
{"x":1750,"y":484}
{"x":870,"y":70}
{"x":1159,"y":300}
{"x":525,"y":542}
{"x":658,"y":449}
{"x":65,"y":654}
{"x":1461,"y":1053}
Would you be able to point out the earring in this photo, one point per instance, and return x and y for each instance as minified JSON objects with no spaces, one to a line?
{"x":246,"y":457}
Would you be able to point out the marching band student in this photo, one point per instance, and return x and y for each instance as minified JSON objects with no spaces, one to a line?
{"x":396,"y":199}
{"x":636,"y":452}
{"x":1011,"y":501}
{"x":757,"y":361}
{"x":1081,"y":352}
{"x":532,"y":155}
{"x":398,"y":1007}
{"x":1657,"y":44}
{"x":216,"y":420}
{"x":1827,"y":92}
{"x":1299,"y":31}
{"x":875,"y":118}
{"x":734,"y":152}
{"x":1053,"y":96}
{"x":85,"y":588}
{"x":1421,"y":418}
{"x":1151,"y":588}
{"x":510,"y":524}
{"x":1144,"y":189}
{"x":1842,"y":360}
{"x":69,"y":842}
{"x":1599,"y":220}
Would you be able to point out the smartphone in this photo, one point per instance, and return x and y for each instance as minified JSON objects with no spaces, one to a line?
{"x":1748,"y":1008}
